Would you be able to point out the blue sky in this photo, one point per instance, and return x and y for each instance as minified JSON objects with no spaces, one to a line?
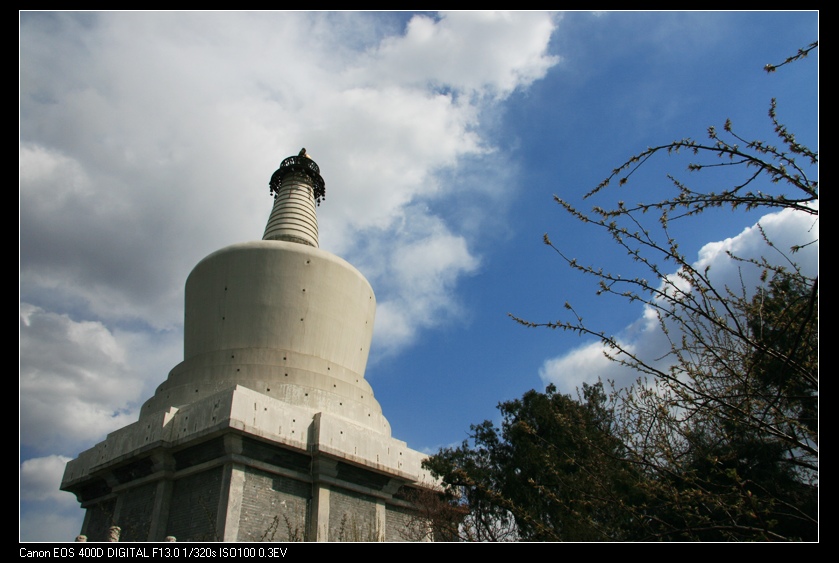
{"x":147,"y":141}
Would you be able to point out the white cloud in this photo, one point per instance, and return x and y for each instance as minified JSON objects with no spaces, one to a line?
{"x":42,"y":523}
{"x":784,"y":230}
{"x":40,"y":478}
{"x":585,"y":364}
{"x":644,"y":338}
{"x":147,"y":140}
{"x":418,"y":276}
{"x":50,"y":522}
{"x":75,"y":382}
{"x":476,"y":53}
{"x":47,"y":513}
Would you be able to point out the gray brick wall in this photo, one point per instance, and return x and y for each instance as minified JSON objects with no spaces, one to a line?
{"x":352,"y":516}
{"x":100,"y":518}
{"x":273,"y":508}
{"x":194,"y":506}
{"x":403,"y":525}
{"x":135,"y":513}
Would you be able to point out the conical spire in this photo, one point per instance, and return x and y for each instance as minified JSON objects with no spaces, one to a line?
{"x":296,"y":185}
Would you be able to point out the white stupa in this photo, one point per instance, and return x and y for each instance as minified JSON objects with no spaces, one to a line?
{"x":267,"y":427}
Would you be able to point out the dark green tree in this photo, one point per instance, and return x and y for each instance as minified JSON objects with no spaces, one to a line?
{"x":553,"y":471}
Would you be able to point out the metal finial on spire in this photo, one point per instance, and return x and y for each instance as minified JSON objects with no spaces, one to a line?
{"x":300,"y":163}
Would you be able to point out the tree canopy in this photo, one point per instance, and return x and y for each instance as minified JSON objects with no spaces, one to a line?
{"x":553,"y":469}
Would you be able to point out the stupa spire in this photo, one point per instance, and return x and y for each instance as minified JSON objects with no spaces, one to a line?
{"x":297,"y":186}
